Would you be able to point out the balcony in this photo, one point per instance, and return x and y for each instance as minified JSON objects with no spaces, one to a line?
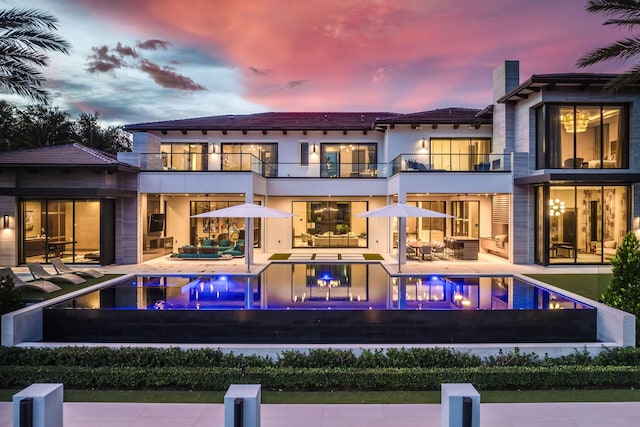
{"x":233,"y":162}
{"x":451,"y":163}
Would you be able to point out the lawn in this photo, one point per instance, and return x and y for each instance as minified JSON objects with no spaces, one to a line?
{"x":591,"y":286}
{"x":32,"y":295}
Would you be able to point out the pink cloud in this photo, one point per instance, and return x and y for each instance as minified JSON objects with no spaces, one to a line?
{"x":370,"y":55}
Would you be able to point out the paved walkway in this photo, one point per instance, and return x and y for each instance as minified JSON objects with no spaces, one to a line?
{"x":622,"y":414}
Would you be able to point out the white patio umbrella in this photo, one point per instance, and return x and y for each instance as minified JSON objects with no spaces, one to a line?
{"x":402,"y":210}
{"x":248,"y":211}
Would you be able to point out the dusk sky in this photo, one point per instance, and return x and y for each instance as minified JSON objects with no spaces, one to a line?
{"x":149,"y":60}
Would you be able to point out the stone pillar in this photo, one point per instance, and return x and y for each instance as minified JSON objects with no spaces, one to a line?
{"x":453,"y":405}
{"x":46,"y":403}
{"x":250,"y":395}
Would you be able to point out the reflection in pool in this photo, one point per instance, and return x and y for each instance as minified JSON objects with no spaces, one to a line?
{"x":320,"y":303}
{"x":322,"y":287}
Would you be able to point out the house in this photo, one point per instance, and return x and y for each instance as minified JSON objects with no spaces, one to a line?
{"x":546,"y":173}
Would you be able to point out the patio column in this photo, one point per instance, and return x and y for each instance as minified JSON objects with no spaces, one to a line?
{"x":402,"y":233}
{"x":248,"y":234}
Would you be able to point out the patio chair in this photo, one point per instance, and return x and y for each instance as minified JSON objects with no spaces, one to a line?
{"x":61,"y":267}
{"x":425,"y":251}
{"x":38,"y":272}
{"x":38,"y":285}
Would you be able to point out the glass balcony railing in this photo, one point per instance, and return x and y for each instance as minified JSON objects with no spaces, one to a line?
{"x":233,"y":162}
{"x":451,"y":163}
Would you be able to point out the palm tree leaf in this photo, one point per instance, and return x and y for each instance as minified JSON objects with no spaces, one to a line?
{"x":17,"y":53}
{"x":34,"y":38}
{"x":629,"y":79}
{"x":17,"y":17}
{"x":625,"y":9}
{"x":621,"y":50}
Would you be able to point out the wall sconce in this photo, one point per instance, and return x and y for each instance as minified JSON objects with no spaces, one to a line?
{"x":5,"y":221}
{"x":424,"y":142}
{"x":215,"y":148}
{"x":314,"y":148}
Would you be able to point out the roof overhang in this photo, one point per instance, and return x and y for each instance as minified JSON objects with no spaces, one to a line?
{"x":569,"y":178}
{"x":539,"y":82}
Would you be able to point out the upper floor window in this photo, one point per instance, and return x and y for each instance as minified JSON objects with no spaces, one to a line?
{"x":258,"y":158}
{"x":459,"y":154}
{"x":348,"y":160}
{"x":184,"y":157}
{"x":582,"y":136}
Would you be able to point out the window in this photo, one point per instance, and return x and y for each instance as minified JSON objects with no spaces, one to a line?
{"x":582,"y":136}
{"x":68,"y":229}
{"x":459,"y":154}
{"x":580,"y":224}
{"x":304,"y":154}
{"x":329,"y":224}
{"x":258,"y":158}
{"x":184,"y":157}
{"x":348,"y":160}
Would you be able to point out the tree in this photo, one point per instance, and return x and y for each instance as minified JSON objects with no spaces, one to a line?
{"x":622,"y":13}
{"x":41,"y":126}
{"x":111,"y":139}
{"x":623,"y":291}
{"x":10,"y":299}
{"x":25,"y":36}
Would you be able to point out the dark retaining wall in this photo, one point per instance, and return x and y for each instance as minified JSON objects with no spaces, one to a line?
{"x":321,"y":327}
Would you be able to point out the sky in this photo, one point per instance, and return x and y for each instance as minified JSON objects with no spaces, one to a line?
{"x":135,"y":61}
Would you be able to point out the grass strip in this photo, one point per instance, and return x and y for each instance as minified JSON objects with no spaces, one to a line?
{"x":373,"y":257}
{"x":279,"y":257}
{"x":341,"y":397}
{"x":33,"y":295}
{"x":591,"y":286}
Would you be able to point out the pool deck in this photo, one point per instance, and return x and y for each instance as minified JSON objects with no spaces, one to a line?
{"x":486,"y":264}
{"x":619,"y":414}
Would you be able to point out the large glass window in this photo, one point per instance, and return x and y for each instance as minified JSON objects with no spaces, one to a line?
{"x":213,"y":230}
{"x":348,"y":160}
{"x":585,"y":224}
{"x":459,"y":154}
{"x":67,"y":229}
{"x":423,"y":229}
{"x":184,"y":157}
{"x":582,"y":136}
{"x":329,"y":224}
{"x":258,"y":158}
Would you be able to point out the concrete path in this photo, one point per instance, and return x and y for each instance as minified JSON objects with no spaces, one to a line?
{"x":621,"y":414}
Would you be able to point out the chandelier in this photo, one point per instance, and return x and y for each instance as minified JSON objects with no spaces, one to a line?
{"x":556,"y":207}
{"x":572,"y":124}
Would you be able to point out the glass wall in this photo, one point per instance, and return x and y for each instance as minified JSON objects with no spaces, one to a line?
{"x":348,"y":160}
{"x":184,"y":157}
{"x":585,"y":224}
{"x":423,"y":229}
{"x":459,"y":154}
{"x":329,"y":224}
{"x":582,"y":136}
{"x":67,"y":229}
{"x":216,"y":229}
{"x":258,"y":158}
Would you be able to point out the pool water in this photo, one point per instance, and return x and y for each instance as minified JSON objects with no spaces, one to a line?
{"x":320,"y":303}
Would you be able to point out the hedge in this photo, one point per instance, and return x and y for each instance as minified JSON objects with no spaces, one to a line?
{"x":320,"y":369}
{"x":291,"y":379}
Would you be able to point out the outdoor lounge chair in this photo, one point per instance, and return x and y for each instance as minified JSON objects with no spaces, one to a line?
{"x":38,"y":272}
{"x":61,"y":267}
{"x":39,"y":285}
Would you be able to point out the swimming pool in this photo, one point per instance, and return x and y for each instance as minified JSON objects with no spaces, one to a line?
{"x":320,"y":303}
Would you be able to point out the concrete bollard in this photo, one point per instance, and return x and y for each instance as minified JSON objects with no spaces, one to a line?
{"x":460,"y":405}
{"x":42,"y":403}
{"x":242,"y":400}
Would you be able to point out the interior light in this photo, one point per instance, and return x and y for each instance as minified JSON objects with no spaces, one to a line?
{"x":572,"y":124}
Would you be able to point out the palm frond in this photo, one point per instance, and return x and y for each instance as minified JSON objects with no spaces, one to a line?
{"x":17,"y":85}
{"x":22,"y":54}
{"x":630,"y":79}
{"x":621,"y":50}
{"x":20,"y":17}
{"x":35,"y":38}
